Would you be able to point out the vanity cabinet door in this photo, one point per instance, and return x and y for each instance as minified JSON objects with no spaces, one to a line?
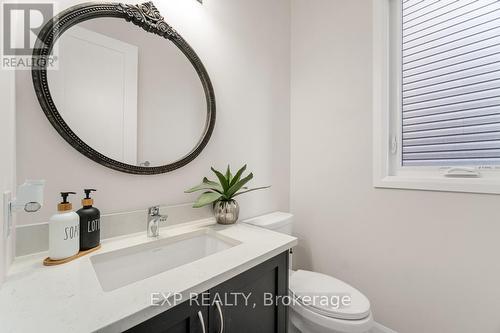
{"x":183,"y":318}
{"x":238,"y":305}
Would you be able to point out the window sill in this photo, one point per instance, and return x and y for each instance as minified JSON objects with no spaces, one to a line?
{"x":442,"y":184}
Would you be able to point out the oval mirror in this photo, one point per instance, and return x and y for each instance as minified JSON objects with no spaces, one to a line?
{"x":124,"y":88}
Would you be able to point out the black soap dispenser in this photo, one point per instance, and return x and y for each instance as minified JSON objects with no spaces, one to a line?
{"x":90,"y":223}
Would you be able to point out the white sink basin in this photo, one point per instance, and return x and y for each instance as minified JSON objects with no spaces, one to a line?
{"x":119,"y":268}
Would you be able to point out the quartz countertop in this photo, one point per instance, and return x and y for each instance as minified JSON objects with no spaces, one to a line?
{"x":69,"y":297}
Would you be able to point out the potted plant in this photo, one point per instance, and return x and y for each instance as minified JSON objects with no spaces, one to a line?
{"x":221,"y":194}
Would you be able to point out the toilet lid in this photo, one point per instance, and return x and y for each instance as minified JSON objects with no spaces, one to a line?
{"x":328,"y":296}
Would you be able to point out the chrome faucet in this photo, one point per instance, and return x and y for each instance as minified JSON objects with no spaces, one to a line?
{"x":154,"y":219}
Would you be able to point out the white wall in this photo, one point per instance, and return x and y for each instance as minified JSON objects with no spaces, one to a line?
{"x":246,"y":49}
{"x":428,"y":261}
{"x":7,"y":165}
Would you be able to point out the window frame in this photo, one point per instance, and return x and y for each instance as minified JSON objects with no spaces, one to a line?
{"x":388,"y":171}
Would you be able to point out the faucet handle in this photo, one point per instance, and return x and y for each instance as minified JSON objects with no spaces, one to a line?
{"x":154,"y":211}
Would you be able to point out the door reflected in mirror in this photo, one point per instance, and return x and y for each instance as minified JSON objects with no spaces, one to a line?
{"x":128,"y":94}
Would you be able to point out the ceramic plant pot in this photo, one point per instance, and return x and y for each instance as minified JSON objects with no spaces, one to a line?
{"x":226,"y":212}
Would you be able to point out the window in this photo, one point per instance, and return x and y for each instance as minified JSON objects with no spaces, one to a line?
{"x":437,"y":94}
{"x":450,"y":82}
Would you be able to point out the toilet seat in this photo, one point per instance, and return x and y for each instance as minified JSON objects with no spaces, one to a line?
{"x":323,"y":295}
{"x":308,"y":321}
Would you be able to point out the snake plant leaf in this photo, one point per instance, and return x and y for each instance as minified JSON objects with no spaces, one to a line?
{"x":236,"y":187}
{"x":237,"y":176}
{"x":229,"y":186}
{"x":223,"y":181}
{"x":206,"y":199}
{"x":211,"y":182}
{"x":215,"y":186}
{"x":229,"y":176}
{"x":204,"y":186}
{"x":251,"y":190}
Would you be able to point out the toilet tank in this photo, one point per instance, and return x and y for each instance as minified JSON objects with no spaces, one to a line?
{"x":277,"y":221}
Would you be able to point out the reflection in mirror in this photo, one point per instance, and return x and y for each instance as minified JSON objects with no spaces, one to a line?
{"x":130,"y":95}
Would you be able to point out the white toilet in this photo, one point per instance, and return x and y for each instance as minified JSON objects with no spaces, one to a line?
{"x":316,"y":315}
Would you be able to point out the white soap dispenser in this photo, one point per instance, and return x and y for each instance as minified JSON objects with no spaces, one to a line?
{"x":64,"y":231}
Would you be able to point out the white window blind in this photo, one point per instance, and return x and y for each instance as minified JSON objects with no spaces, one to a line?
{"x":450,"y":82}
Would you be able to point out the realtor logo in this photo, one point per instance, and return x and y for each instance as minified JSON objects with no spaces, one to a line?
{"x":22,"y":22}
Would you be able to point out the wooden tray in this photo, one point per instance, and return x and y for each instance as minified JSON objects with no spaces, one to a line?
{"x":50,"y":262}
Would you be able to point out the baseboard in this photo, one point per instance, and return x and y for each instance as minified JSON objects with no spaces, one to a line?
{"x":378,"y":328}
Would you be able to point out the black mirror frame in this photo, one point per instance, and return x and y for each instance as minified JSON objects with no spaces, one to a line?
{"x":148,"y":17}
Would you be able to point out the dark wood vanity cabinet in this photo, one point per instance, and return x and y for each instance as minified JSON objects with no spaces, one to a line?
{"x":183,"y":318}
{"x":243,"y":304}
